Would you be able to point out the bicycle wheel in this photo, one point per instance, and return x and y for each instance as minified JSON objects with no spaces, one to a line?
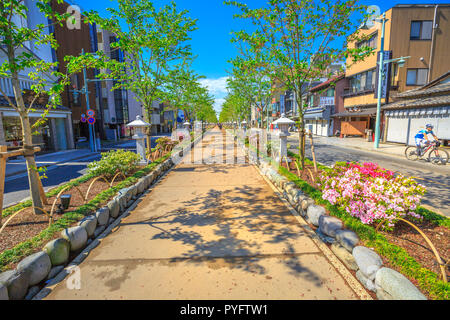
{"x":438,"y":156}
{"x":411,"y":153}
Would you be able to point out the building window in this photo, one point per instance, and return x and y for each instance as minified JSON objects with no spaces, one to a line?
{"x":364,"y":81}
{"x":330,"y":92}
{"x":371,"y":42}
{"x":421,"y":30}
{"x":394,"y":74}
{"x":416,"y":77}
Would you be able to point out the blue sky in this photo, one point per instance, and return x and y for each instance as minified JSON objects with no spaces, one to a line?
{"x":211,"y":42}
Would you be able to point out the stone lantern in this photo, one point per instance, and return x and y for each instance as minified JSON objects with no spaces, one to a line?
{"x":283,"y":124}
{"x":244,"y":125}
{"x":187,"y":125}
{"x":140,"y":137}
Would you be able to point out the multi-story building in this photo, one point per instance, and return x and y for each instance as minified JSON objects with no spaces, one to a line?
{"x":324,"y":100}
{"x":284,"y":101}
{"x":120,"y":106}
{"x":57,"y":133}
{"x":420,"y":32}
{"x":115,"y":103}
{"x":72,"y":41}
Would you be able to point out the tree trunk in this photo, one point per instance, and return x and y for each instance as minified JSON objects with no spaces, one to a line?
{"x":148,"y":131}
{"x":301,"y":129}
{"x":33,"y":175}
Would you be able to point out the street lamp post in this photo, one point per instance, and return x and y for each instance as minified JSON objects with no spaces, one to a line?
{"x":382,"y":75}
{"x":380,"y":78}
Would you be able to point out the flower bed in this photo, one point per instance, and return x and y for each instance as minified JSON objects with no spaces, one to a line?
{"x":371,"y":193}
{"x":399,"y":254}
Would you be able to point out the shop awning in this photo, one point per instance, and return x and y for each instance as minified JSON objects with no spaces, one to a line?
{"x":313,"y":113}
{"x":363,"y":112}
{"x":318,"y":113}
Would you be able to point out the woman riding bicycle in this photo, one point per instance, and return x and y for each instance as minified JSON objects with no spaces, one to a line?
{"x":422,"y":138}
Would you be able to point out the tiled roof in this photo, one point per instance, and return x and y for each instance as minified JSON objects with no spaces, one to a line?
{"x":433,"y":94}
{"x":432,"y":101}
{"x":420,"y":92}
{"x":327,"y":83}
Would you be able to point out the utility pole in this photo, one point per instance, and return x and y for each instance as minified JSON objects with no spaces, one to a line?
{"x":380,"y":81}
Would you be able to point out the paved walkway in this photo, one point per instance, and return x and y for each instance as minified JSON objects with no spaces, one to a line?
{"x":209,"y":232}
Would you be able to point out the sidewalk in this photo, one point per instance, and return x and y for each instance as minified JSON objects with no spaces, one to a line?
{"x":216,"y":231}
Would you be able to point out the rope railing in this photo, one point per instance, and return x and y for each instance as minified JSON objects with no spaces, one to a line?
{"x":16,"y":213}
{"x":428,"y":241}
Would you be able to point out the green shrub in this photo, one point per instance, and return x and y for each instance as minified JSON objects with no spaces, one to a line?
{"x":163,"y":142}
{"x":113,"y":162}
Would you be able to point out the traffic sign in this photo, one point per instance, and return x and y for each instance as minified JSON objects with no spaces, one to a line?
{"x":83,"y":118}
{"x":90,"y":113}
{"x":91,"y":120}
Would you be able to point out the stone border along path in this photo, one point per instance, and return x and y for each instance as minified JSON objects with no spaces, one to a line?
{"x":387,"y":283}
{"x":287,"y":262}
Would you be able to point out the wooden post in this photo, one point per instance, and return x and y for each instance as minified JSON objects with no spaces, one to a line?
{"x":42,"y":192}
{"x":313,"y":153}
{"x":2,"y":178}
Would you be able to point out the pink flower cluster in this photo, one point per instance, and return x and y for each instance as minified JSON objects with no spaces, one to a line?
{"x":371,"y":193}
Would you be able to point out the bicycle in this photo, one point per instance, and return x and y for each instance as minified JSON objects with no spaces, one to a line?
{"x":436,"y":154}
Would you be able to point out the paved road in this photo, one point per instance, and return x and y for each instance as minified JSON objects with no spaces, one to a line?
{"x":17,"y":187}
{"x":210,"y":232}
{"x":435,"y":178}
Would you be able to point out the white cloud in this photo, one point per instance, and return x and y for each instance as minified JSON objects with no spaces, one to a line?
{"x":218,"y":105}
{"x":217,"y":87}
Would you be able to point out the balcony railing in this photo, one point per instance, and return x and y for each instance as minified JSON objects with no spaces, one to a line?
{"x":326,"y":101}
{"x":351,"y":92}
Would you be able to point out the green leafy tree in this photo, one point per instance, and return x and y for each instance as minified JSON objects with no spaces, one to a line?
{"x":234,"y":108}
{"x":250,"y":77}
{"x":299,"y":39}
{"x":153,"y":40}
{"x":18,"y":60}
{"x":183,"y":89}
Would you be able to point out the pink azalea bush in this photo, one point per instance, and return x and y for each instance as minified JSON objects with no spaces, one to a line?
{"x":370,"y":192}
